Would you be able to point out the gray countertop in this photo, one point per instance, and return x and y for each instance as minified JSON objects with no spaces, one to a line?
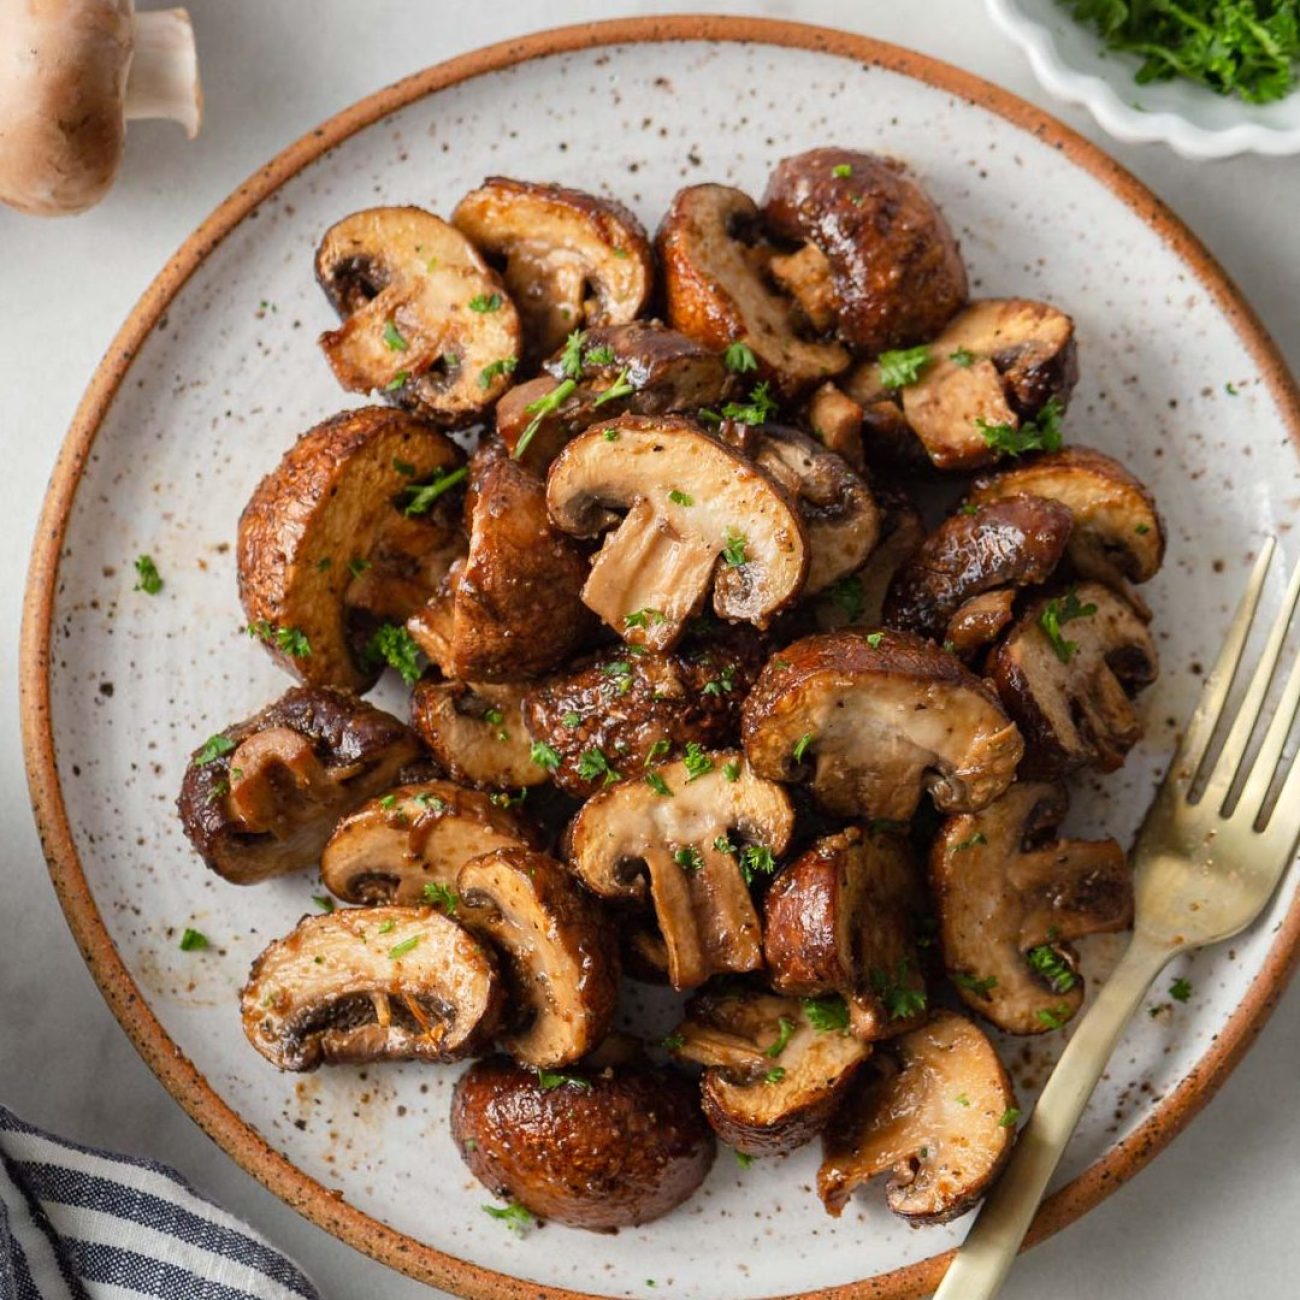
{"x":1215,"y":1215}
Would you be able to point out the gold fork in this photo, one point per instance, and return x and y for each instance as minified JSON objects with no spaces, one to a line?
{"x":1204,"y":868}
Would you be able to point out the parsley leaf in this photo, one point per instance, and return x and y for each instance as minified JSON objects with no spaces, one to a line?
{"x":801,"y":746}
{"x":151,"y":582}
{"x":549,"y":1080}
{"x":514,"y":1216}
{"x":544,"y":755}
{"x":393,"y":337}
{"x":981,"y":988}
{"x":733,"y":550}
{"x":784,"y":1032}
{"x":289,"y":639}
{"x":423,"y":495}
{"x":213,"y":748}
{"x":756,"y":859}
{"x":571,"y":357}
{"x":1180,"y":990}
{"x":842,"y":170}
{"x":1055,"y":614}
{"x":593,"y":763}
{"x":902,"y":367}
{"x":194,"y":941}
{"x":775,"y":1074}
{"x":731,"y":771}
{"x":962,"y":358}
{"x":689,"y":858}
{"x":501,"y":366}
{"x":1009,"y":1117}
{"x":696,"y":762}
{"x":671,"y":1042}
{"x":1048,"y":963}
{"x":644,"y":617}
{"x":1053,"y":1017}
{"x":899,"y":997}
{"x":966,"y":845}
{"x":395,"y":646}
{"x":485,"y":302}
{"x":539,"y":410}
{"x":443,"y":896}
{"x":827,"y":1015}
{"x":760,"y":408}
{"x":848,"y":597}
{"x":658,"y":784}
{"x":621,"y":387}
{"x":400,"y":378}
{"x":401,"y":949}
{"x":739,"y":358}
{"x":1043,"y":433}
{"x":681,"y":498}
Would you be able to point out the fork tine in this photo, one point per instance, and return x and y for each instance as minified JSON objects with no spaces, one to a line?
{"x":1200,"y":728}
{"x":1255,"y":791}
{"x":1225,"y":768}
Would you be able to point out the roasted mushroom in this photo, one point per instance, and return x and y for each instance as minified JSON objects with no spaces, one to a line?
{"x":350,"y":531}
{"x":599,"y":1149}
{"x":698,"y":515}
{"x":676,"y":826}
{"x":934,"y":1106}
{"x":839,"y":513}
{"x":841,"y":919}
{"x":1017,"y":542}
{"x":634,"y":708}
{"x":875,"y":257}
{"x":425,"y":320}
{"x":516,"y":602}
{"x":394,"y":847}
{"x":717,"y":289}
{"x":1118,"y":535}
{"x":571,"y":260}
{"x":773,"y":1075}
{"x":1011,"y":897}
{"x":876,"y":718}
{"x":368,"y":984}
{"x":601,"y":373}
{"x":1067,"y":671}
{"x":260,"y":798}
{"x":476,"y":732}
{"x":836,"y":421}
{"x":559,"y":950}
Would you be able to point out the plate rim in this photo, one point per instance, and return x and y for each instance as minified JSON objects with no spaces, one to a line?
{"x":236,"y":1136}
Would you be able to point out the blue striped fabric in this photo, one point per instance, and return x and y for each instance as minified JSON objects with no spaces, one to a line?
{"x":81,"y":1224}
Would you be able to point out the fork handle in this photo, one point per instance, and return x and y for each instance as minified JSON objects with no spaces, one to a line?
{"x":977,"y":1271}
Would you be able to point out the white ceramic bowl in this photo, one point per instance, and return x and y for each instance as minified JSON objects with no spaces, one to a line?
{"x":1071,"y":63}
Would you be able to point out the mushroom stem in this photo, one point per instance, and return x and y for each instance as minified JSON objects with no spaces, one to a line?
{"x":163,"y":81}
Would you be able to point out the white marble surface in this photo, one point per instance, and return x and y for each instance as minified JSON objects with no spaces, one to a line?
{"x":1211,"y":1217}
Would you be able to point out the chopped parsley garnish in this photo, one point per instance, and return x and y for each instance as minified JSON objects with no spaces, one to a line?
{"x":723,"y":844}
{"x":981,"y":988}
{"x":395,"y":646}
{"x":514,"y":1216}
{"x":733,"y":549}
{"x":611,"y":435}
{"x":962,"y":358}
{"x":621,"y":387}
{"x":388,"y":801}
{"x":966,"y":845}
{"x":291,"y":640}
{"x":775,"y":1074}
{"x":423,"y":495}
{"x":593,"y":763}
{"x":571,"y":357}
{"x":399,"y":381}
{"x":696,"y":762}
{"x":827,"y":1015}
{"x":657,"y":784}
{"x":671,"y":1042}
{"x":1053,"y":1017}
{"x":485,"y":302}
{"x":393,"y":337}
{"x":1048,"y":963}
{"x":1009,"y":1117}
{"x":213,"y":748}
{"x":443,"y":896}
{"x":151,"y":582}
{"x":784,"y":1032}
{"x":544,"y":755}
{"x":801,"y":746}
{"x":681,"y":498}
{"x":549,"y":1080}
{"x":356,"y":567}
{"x":1180,"y":990}
{"x":723,"y":684}
{"x":743,"y":1159}
{"x":903,"y":366}
{"x":731,"y":771}
{"x":755,"y":860}
{"x":501,"y":366}
{"x":842,"y":170}
{"x":1059,"y":611}
{"x":658,"y":750}
{"x":848,"y":597}
{"x":539,"y":410}
{"x":194,"y":941}
{"x":739,"y":358}
{"x":323,"y":901}
{"x":689,"y":858}
{"x":401,"y":949}
{"x":601,"y":356}
{"x":962,"y":1099}
{"x":387,"y":927}
{"x":900,"y":999}
{"x":970,"y":508}
{"x":431,"y":801}
{"x":1042,"y":433}
{"x":760,"y":408}
{"x":874,"y":639}
{"x":493,"y":717}
{"x":1142,"y":529}
{"x":644,"y":617}
{"x":571,"y":719}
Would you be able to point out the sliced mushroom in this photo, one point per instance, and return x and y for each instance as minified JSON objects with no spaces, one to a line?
{"x":1071,"y":691}
{"x":517,"y":606}
{"x":677,"y":827}
{"x":369,"y":984}
{"x":1011,"y":897}
{"x":477,"y":732}
{"x":838,"y":510}
{"x":601,"y":1148}
{"x":979,"y":621}
{"x":559,"y":951}
{"x":934,"y":1106}
{"x":717,"y":290}
{"x":260,"y":798}
{"x":633,"y":708}
{"x":394,"y":847}
{"x":772,"y":1079}
{"x":641,"y":367}
{"x":875,"y":254}
{"x":836,"y":421}
{"x":1118,"y":535}
{"x":697,"y":515}
{"x":571,"y":260}
{"x":1017,"y":542}
{"x":341,"y":528}
{"x":425,"y":320}
{"x":840,"y":919}
{"x":876,"y":718}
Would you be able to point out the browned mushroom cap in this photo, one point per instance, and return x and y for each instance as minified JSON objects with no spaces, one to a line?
{"x":717,"y":287}
{"x":876,"y":718}
{"x":697,"y":515}
{"x":836,"y":421}
{"x":1010,"y":897}
{"x":858,"y":598}
{"x":560,"y":952}
{"x":772,"y":1079}
{"x":699,"y":829}
{"x":571,"y":260}
{"x":634,"y":708}
{"x":838,"y":510}
{"x":339,"y":537}
{"x":1070,"y":689}
{"x":934,"y":1106}
{"x":368,"y":984}
{"x":1017,"y":542}
{"x":640,"y":367}
{"x":599,"y":1149}
{"x":875,"y":251}
{"x":261,"y":798}
{"x":840,"y":919}
{"x":979,"y":622}
{"x":392,"y":848}
{"x":477,"y":732}
{"x":1118,"y":533}
{"x":425,"y":320}
{"x":517,"y":606}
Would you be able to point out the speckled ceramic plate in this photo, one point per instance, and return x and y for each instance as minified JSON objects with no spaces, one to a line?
{"x":216,"y":372}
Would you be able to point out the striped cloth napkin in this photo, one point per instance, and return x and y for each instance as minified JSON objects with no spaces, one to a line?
{"x":80,"y":1224}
